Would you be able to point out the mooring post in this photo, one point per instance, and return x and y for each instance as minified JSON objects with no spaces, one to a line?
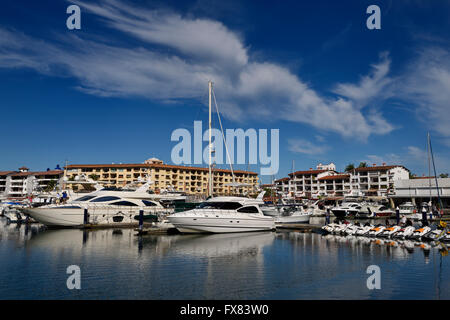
{"x":141,"y":219}
{"x":86,"y":217}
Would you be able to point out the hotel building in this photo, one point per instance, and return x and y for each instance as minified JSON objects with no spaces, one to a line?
{"x":22,"y":183}
{"x":325,"y":181}
{"x":192,"y":180}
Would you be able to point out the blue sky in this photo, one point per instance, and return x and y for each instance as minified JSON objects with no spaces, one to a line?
{"x":116,"y":89}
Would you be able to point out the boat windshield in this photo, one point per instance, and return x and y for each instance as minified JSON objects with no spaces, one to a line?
{"x":85,"y":198}
{"x":219,"y":205}
{"x":106,"y":198}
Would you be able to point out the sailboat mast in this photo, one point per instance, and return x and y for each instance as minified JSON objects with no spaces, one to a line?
{"x":209,"y":146}
{"x":435,"y":174}
{"x":429,"y":166}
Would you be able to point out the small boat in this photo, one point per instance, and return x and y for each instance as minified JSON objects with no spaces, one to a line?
{"x":446,"y":237}
{"x":340,"y":229}
{"x":383,"y":211}
{"x":404,"y":232}
{"x":390,"y":231}
{"x":352,"y":229}
{"x":13,"y":215}
{"x":364,"y":230}
{"x":419,"y":233}
{"x":436,"y":234}
{"x":376,"y":231}
{"x":329,"y":228}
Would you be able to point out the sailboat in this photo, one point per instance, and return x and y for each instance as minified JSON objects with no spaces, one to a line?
{"x":222,"y":214}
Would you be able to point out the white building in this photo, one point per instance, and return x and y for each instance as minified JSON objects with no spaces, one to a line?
{"x":420,"y":190}
{"x":376,"y":180}
{"x":22,"y":183}
{"x":325,"y":181}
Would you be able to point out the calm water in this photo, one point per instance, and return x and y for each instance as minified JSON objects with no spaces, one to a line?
{"x":116,"y":264}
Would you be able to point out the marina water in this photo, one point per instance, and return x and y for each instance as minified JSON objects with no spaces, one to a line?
{"x":117,"y":264}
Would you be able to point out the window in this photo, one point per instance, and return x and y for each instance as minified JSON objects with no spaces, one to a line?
{"x":220,"y":205}
{"x":149,"y":203}
{"x":104,"y":199}
{"x":124,"y":203}
{"x":85,"y":198}
{"x":249,"y":209}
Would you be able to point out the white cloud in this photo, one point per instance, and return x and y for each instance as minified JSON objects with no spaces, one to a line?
{"x":306,"y":147}
{"x":178,"y":55}
{"x":427,"y":85}
{"x":369,"y":86}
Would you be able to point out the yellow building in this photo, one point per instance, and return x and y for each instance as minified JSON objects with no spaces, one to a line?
{"x":192,"y":180}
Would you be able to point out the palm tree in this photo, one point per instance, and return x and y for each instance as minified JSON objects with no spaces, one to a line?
{"x":349,"y":167}
{"x":362,"y":165}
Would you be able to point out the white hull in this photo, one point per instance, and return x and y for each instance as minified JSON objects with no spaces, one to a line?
{"x":197,"y":224}
{"x":75,"y":217}
{"x":302,"y":218}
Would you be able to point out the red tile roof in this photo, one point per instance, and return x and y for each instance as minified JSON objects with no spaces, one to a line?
{"x":36,"y":173}
{"x":297,"y":173}
{"x":282,"y":179}
{"x":4,"y":173}
{"x":378,"y":168}
{"x":335,"y":177}
{"x":152,"y":165}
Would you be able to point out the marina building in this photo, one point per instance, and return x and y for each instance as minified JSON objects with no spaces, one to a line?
{"x":419,"y":190}
{"x":325,"y":181}
{"x":165,"y":177}
{"x":23,"y":183}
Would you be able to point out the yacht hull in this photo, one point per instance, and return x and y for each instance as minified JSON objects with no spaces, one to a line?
{"x":221,"y":225}
{"x":75,"y":217}
{"x":293,"y":219}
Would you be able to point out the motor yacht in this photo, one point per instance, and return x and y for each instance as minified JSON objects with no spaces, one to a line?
{"x":383,"y":211}
{"x":106,"y":206}
{"x":345,"y":209}
{"x":223,"y":215}
{"x":293,"y":215}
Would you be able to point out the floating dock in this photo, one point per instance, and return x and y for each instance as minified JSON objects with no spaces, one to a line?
{"x":300,"y":227}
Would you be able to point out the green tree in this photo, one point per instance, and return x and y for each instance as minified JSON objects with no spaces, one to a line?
{"x":50,"y":185}
{"x":443,"y":175}
{"x":362,"y":165}
{"x":349,"y":167}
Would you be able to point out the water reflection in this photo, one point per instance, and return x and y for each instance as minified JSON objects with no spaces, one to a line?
{"x":118,"y":264}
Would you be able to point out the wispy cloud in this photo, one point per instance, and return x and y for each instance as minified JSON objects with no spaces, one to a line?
{"x":370,"y":86}
{"x":427,"y":85}
{"x":179,"y":54}
{"x":306,"y":147}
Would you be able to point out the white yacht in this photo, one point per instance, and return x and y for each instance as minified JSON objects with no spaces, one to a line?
{"x":345,"y":209}
{"x":223,"y":215}
{"x":294,"y":215}
{"x":103,"y":206}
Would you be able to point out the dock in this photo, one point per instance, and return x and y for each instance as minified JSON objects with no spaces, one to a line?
{"x":300,"y":227}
